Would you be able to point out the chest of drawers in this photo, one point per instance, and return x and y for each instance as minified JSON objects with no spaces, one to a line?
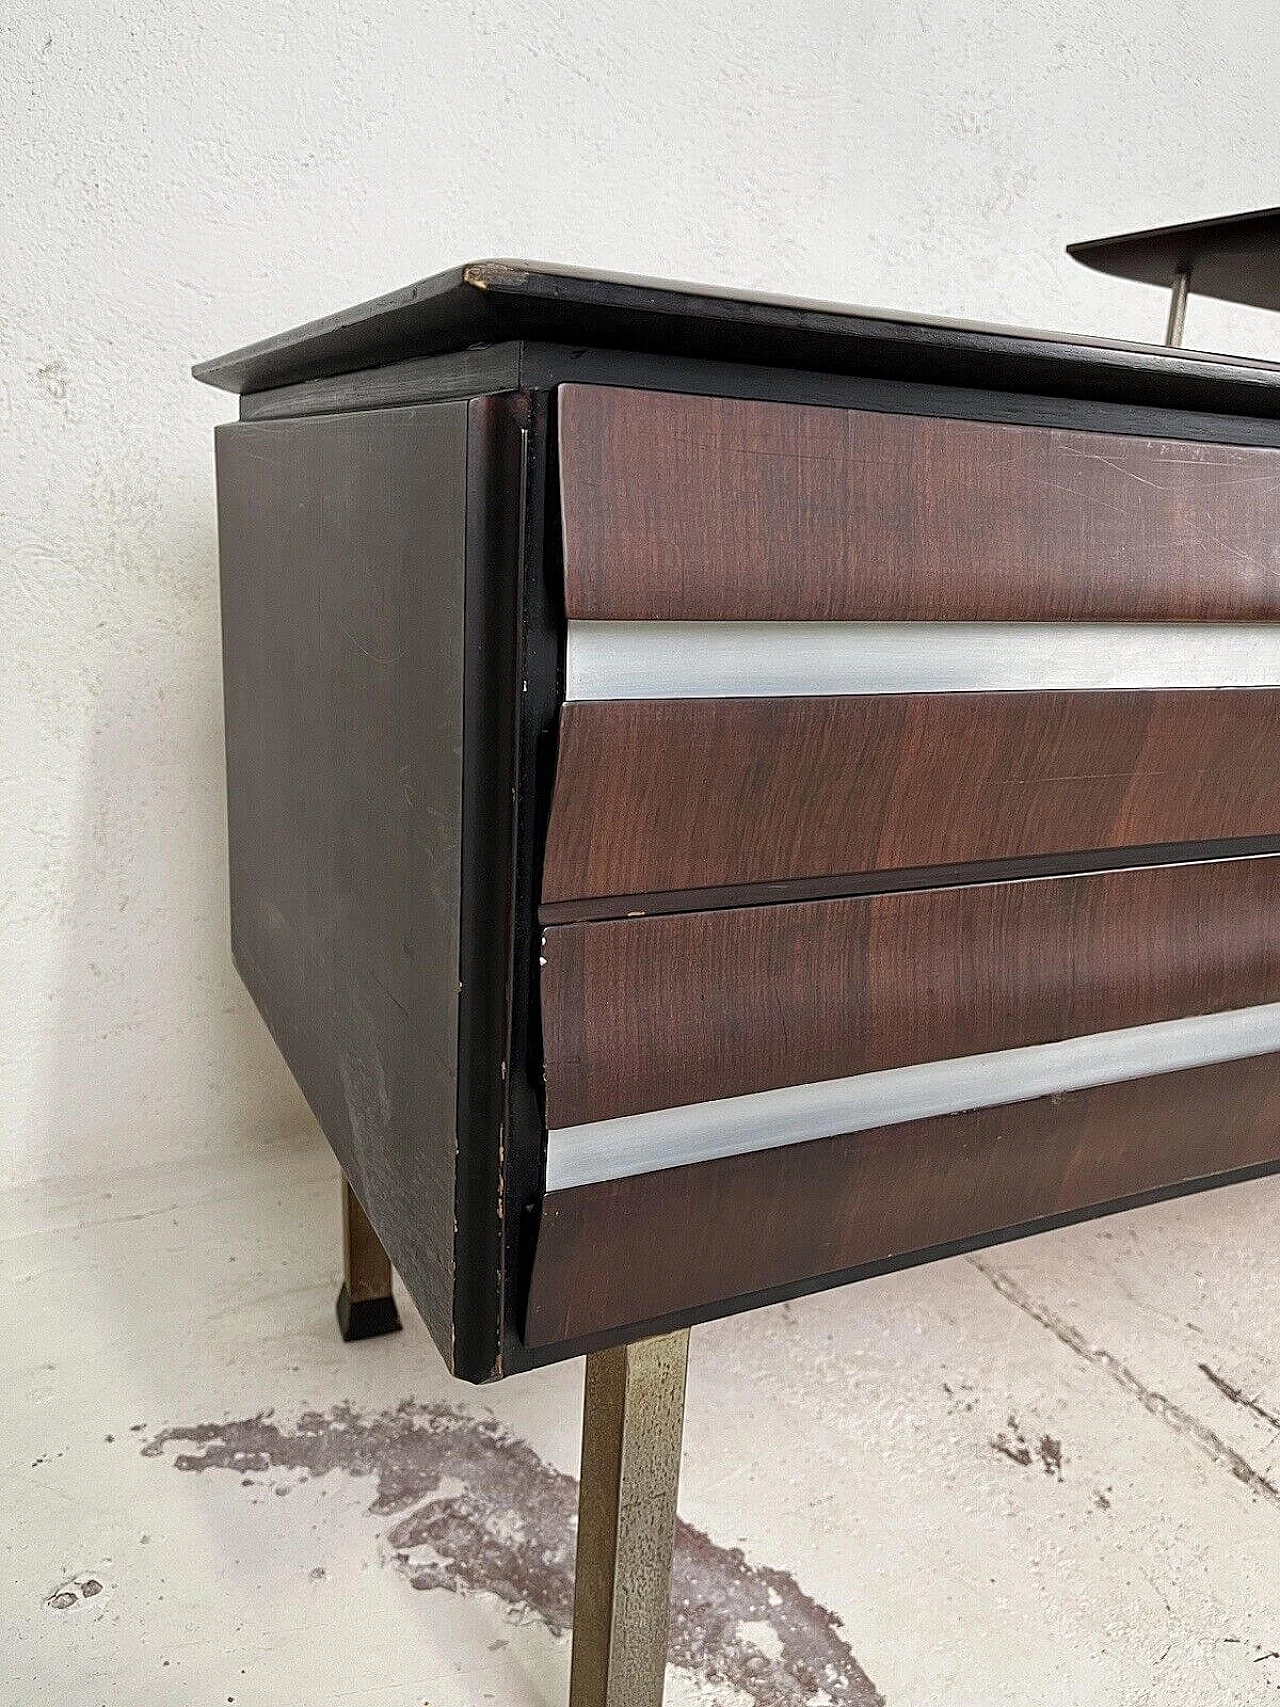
{"x":728,"y":797}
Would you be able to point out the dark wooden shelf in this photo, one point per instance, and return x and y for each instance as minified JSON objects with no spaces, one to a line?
{"x":1235,"y":258}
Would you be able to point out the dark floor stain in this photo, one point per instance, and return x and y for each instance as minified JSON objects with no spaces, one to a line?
{"x":968,"y":1403}
{"x":1015,"y":1446}
{"x":1238,"y":1396}
{"x":477,"y":1511}
{"x":1049,"y":1452}
{"x":72,"y":1593}
{"x":1181,"y":1421}
{"x":1012,"y":1444}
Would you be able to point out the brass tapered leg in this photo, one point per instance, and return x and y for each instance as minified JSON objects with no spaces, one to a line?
{"x":365,"y":1303}
{"x":632,"y":1430}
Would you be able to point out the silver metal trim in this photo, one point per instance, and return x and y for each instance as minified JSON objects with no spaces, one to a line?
{"x":766,"y":1120}
{"x":735,"y":660}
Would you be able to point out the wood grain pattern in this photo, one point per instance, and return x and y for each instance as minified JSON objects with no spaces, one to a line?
{"x":656,"y":797}
{"x":658,"y":1012}
{"x":630,"y":1251}
{"x":682,"y":508}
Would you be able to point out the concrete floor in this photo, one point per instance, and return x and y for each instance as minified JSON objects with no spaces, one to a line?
{"x":1047,"y":1475}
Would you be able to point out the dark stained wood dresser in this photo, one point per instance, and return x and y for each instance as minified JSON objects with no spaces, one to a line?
{"x":731,"y":796}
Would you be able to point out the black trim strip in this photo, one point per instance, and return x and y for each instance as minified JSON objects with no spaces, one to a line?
{"x":597,"y":908}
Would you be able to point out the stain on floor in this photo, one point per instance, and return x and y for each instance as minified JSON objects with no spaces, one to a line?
{"x":1238,"y":1396}
{"x":477,"y":1511}
{"x":1011,"y":1443}
{"x":70,"y":1594}
{"x":1174,"y":1416}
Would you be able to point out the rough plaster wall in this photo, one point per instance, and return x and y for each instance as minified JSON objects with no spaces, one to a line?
{"x":176,"y":179}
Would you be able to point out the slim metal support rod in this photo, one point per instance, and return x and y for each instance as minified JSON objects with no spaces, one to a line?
{"x":366,"y":1305}
{"x":1177,"y":309}
{"x":632,"y":1431}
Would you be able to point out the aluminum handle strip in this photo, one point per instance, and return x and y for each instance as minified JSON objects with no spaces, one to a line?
{"x":797,"y":1114}
{"x":736,"y":660}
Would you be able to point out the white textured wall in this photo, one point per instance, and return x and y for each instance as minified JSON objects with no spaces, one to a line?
{"x":176,"y":179}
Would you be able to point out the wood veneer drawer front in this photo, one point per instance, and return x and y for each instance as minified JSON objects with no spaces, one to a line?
{"x":681,"y":508}
{"x":656,"y":1013}
{"x":626,"y":1251}
{"x":658,"y":797}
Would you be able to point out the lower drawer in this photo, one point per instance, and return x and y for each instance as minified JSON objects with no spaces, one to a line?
{"x":751,"y":1099}
{"x":662,"y":1012}
{"x":651,"y":1248}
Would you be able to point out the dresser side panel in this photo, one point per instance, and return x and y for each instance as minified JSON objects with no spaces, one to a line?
{"x":342,"y":544}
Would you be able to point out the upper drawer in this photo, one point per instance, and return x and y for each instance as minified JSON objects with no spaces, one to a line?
{"x":679,"y":508}
{"x":666,"y":803}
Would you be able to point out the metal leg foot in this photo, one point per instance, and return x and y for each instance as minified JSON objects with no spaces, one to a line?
{"x":365,"y":1306}
{"x":632,"y":1430}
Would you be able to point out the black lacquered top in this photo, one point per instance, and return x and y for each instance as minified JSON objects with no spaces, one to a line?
{"x":489,"y":302}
